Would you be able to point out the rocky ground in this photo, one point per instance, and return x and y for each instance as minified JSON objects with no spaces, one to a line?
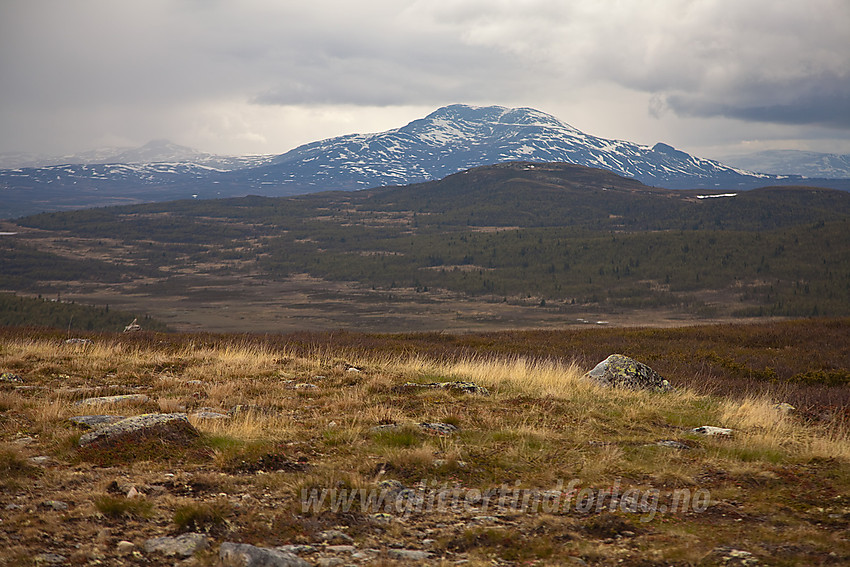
{"x":229,"y":448}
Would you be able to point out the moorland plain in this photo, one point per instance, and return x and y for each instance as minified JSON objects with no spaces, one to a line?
{"x":500,"y":247}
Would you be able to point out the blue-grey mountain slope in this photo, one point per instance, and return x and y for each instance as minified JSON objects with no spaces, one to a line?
{"x":451,"y":139}
{"x":459,"y":137}
{"x":794,"y":162}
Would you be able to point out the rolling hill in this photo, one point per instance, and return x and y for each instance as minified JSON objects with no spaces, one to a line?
{"x":552,"y":240}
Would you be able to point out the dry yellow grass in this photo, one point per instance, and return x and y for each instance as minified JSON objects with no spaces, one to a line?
{"x":541,"y":424}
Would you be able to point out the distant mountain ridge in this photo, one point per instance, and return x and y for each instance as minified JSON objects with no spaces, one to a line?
{"x":794,"y":162}
{"x":155,"y":151}
{"x":451,"y":139}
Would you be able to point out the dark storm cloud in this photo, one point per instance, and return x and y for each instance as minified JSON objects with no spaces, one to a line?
{"x":830,"y":109}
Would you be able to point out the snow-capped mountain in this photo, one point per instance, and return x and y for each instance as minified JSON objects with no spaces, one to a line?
{"x":451,"y":139}
{"x":458,"y":137}
{"x":794,"y":162}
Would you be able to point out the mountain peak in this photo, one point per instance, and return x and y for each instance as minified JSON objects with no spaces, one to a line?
{"x":462,"y":136}
{"x":498,"y":115}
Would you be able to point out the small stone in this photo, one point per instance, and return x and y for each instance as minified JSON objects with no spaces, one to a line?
{"x":125,"y":547}
{"x":438,"y":428}
{"x":40,"y":460}
{"x":12,"y":378}
{"x":391,"y":486}
{"x":50,"y":558}
{"x":330,"y":562}
{"x":784,"y":407}
{"x":14,"y":507}
{"x":730,"y":556}
{"x":194,"y":382}
{"x":341,"y":548}
{"x":111,"y":400}
{"x":245,"y":555}
{"x":24,"y":441}
{"x":242,"y":409}
{"x":335,"y":536}
{"x":443,"y":462}
{"x":75,"y":341}
{"x":133,"y":493}
{"x":711,"y":430}
{"x":297,"y":548}
{"x":454,"y":386}
{"x":306,"y":386}
{"x":184,"y":545}
{"x":57,"y":505}
{"x":408,"y":554}
{"x":673,"y":445}
{"x":353,"y":369}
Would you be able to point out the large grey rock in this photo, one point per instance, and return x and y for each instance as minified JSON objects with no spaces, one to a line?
{"x":245,"y":555}
{"x":619,"y":371}
{"x":172,"y":427}
{"x":184,"y":545}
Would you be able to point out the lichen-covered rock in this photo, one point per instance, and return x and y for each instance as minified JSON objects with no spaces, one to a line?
{"x":110,"y":400}
{"x":9,"y":377}
{"x":171,"y":427}
{"x":620,"y":371}
{"x":438,"y":428}
{"x":245,"y":555}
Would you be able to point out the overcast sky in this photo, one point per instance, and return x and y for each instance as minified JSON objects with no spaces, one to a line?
{"x":712,"y":77}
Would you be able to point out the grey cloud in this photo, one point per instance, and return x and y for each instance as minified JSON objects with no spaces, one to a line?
{"x":830,"y":109}
{"x":130,"y":63}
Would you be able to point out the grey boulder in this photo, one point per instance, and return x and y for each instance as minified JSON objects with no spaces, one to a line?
{"x":171,"y":427}
{"x":619,"y":371}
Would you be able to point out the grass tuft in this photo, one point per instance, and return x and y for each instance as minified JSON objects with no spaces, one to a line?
{"x":123,"y":507}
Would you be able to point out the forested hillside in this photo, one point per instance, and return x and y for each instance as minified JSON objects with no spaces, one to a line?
{"x":553,"y":235}
{"x":27,"y":311}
